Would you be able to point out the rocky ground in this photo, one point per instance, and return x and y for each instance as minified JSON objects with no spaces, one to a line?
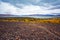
{"x":29,"y":31}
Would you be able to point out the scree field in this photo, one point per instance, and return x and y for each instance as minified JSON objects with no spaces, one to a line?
{"x":29,"y":29}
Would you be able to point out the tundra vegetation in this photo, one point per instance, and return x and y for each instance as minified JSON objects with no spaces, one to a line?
{"x":32,"y":20}
{"x":29,"y":29}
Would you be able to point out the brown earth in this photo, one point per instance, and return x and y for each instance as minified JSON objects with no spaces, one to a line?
{"x":29,"y":31}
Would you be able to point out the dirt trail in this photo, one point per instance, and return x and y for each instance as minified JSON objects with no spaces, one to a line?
{"x":28,"y":31}
{"x":48,"y":29}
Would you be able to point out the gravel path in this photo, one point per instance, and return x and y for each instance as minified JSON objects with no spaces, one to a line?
{"x":29,"y":31}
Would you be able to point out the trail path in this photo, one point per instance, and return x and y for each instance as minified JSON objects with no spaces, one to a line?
{"x":29,"y":31}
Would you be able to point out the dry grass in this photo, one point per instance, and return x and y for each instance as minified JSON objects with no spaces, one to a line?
{"x":32,"y":20}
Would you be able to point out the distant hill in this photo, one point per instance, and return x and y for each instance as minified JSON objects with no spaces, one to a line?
{"x":33,"y":15}
{"x":43,"y":15}
{"x":55,"y":14}
{"x":6,"y":15}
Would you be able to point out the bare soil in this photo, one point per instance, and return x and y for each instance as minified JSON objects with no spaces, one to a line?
{"x":29,"y":31}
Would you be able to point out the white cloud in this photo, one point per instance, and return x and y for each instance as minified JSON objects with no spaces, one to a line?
{"x":6,"y":8}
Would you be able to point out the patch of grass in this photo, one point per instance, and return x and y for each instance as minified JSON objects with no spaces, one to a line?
{"x":32,"y":20}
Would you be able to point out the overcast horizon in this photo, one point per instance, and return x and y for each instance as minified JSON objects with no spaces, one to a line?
{"x":28,"y":7}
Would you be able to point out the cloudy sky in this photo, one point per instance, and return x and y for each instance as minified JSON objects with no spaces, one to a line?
{"x":27,"y":7}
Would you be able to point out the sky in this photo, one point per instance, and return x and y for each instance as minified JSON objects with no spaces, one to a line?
{"x":28,"y":7}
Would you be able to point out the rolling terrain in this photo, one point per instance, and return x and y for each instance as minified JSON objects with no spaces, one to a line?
{"x":29,"y":29}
